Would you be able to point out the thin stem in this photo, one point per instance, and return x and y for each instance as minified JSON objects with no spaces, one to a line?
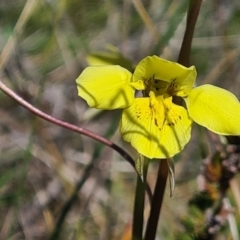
{"x":157,"y":200}
{"x":193,"y":11}
{"x":138,"y":214}
{"x":138,"y":218}
{"x":71,"y":127}
{"x":67,"y":206}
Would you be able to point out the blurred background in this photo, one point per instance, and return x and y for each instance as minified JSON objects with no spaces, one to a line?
{"x":44,"y":45}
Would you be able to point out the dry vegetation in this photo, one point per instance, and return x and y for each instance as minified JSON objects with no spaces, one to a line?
{"x":44,"y":47}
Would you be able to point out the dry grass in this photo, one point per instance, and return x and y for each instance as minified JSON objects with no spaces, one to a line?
{"x":44,"y":45}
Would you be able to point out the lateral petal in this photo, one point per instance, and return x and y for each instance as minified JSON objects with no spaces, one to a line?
{"x":106,"y":87}
{"x":214,"y":108}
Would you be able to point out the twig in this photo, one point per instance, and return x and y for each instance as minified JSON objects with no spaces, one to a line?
{"x":71,"y":127}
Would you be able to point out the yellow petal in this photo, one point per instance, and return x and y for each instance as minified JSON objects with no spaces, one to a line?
{"x":180,"y":78}
{"x":139,"y":126}
{"x":183,"y":84}
{"x":106,"y":87}
{"x":176,"y":131}
{"x":151,"y":132}
{"x":214,"y":108}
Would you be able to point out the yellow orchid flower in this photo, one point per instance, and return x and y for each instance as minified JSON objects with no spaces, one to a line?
{"x":155,"y":124}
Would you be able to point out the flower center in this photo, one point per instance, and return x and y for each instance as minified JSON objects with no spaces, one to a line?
{"x":159,"y":87}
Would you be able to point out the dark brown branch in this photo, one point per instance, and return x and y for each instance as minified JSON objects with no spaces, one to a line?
{"x":184,"y":55}
{"x":157,"y":200}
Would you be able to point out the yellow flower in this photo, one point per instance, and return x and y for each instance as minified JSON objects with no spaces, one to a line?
{"x":157,"y":125}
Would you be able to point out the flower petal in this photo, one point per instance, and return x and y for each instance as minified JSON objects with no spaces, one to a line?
{"x":155,"y":130}
{"x":106,"y":87}
{"x":161,"y":69}
{"x":176,"y":131}
{"x":183,"y":84}
{"x":139,"y":127}
{"x":214,"y":108}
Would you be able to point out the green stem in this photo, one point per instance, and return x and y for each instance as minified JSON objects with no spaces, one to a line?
{"x":193,"y":11}
{"x":138,"y":213}
{"x":157,"y":200}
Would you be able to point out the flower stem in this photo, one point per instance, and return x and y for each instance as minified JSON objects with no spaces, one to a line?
{"x":138,"y":214}
{"x":71,"y":127}
{"x":63,"y":124}
{"x":157,"y":200}
{"x":193,"y":11}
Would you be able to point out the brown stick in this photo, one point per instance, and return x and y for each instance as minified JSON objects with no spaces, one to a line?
{"x":157,"y":200}
{"x":184,"y":55}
